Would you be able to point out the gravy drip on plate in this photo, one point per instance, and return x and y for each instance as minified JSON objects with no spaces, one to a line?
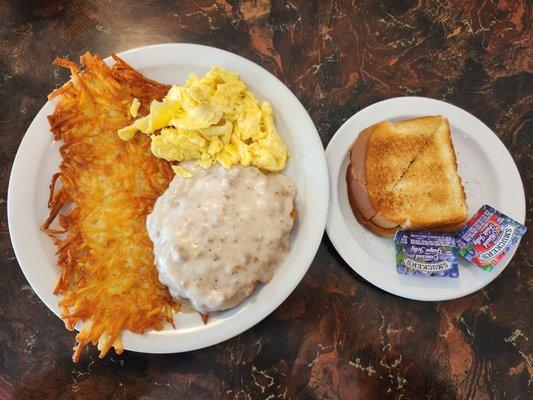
{"x":219,"y":233}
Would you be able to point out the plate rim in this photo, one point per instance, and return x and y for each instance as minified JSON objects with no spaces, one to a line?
{"x":151,"y":342}
{"x":334,"y":205}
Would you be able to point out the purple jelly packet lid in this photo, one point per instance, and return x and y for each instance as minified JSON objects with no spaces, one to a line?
{"x":426,"y":254}
{"x":488,"y":236}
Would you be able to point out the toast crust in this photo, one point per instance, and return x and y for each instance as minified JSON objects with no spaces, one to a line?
{"x":367,"y":223}
{"x":357,"y":179}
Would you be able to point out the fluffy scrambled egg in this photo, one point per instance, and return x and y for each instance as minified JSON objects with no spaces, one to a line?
{"x":211,"y":119}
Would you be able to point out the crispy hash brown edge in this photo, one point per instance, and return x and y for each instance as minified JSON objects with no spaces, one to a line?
{"x":98,"y":203}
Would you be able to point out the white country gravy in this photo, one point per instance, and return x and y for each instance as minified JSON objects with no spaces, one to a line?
{"x":219,"y":233}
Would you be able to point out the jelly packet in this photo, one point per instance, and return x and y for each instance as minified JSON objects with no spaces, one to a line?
{"x":426,"y":254}
{"x":488,"y":236}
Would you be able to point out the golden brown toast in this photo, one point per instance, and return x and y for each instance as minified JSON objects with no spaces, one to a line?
{"x":429,"y":194}
{"x":403,"y":175}
{"x":380,"y":156}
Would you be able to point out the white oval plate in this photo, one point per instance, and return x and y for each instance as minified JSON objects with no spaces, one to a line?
{"x":38,"y":158}
{"x":489,"y":176}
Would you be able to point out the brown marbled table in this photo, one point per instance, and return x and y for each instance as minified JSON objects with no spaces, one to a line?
{"x":336,"y":336}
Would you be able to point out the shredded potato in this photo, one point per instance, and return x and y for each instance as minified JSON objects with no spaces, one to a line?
{"x":99,"y":199}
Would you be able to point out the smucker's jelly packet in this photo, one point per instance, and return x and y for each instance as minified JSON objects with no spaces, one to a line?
{"x":488,"y":236}
{"x":425,"y":254}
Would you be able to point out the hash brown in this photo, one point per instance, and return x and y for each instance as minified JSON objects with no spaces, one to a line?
{"x":99,"y":200}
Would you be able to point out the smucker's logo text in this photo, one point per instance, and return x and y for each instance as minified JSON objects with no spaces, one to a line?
{"x":501,"y":244}
{"x":428,"y":267}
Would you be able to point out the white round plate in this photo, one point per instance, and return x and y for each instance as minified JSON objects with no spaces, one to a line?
{"x":489,"y":176}
{"x":38,"y":158}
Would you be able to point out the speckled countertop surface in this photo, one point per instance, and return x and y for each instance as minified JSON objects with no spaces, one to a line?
{"x":336,"y":336}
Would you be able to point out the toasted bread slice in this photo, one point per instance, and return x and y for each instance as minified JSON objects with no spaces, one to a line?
{"x":379,"y":158}
{"x":381,"y":155}
{"x":429,"y":195}
{"x":391,"y":149}
{"x":403,"y":175}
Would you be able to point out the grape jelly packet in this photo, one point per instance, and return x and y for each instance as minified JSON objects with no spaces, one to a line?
{"x":487,"y":237}
{"x":426,"y":254}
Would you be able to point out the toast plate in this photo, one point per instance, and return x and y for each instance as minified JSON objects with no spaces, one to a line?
{"x":489,"y":176}
{"x":38,"y":158}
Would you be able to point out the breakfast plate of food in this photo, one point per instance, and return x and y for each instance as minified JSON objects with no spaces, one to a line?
{"x":425,"y":200}
{"x":167,"y":198}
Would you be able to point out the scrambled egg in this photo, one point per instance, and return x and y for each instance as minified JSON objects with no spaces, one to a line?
{"x":211,"y":119}
{"x":134,"y":108}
